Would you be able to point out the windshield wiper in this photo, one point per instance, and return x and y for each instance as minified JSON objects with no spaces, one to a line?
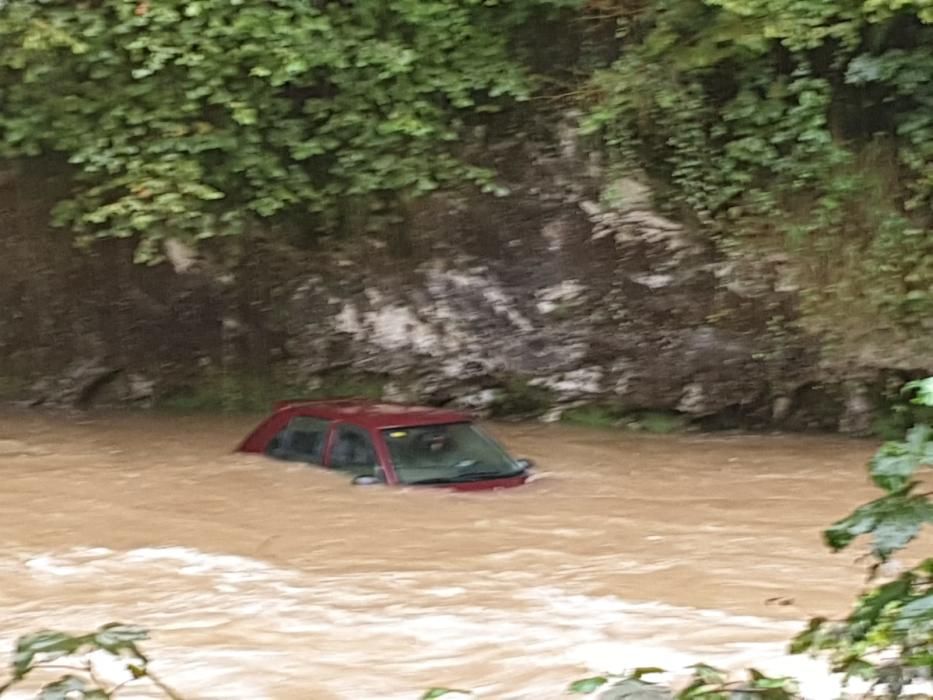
{"x":465,"y":478}
{"x":479,"y":476}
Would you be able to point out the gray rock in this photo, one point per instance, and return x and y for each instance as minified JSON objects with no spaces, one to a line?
{"x":576,"y":285}
{"x":627,"y":194}
{"x":631,"y":689}
{"x":858,"y":412}
{"x":590,"y":208}
{"x":76,"y":387}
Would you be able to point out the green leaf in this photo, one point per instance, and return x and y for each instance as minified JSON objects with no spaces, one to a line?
{"x":709,"y":674}
{"x":923,"y":389}
{"x":60,"y":689}
{"x":915,"y":614}
{"x":585,"y":686}
{"x":700,"y":690}
{"x":893,"y":520}
{"x":896,"y":462}
{"x":786,"y":686}
{"x":116,"y":635}
{"x":808,"y":639}
{"x":897,"y":529}
{"x":646,"y":671}
{"x":440,"y":692}
{"x":47,"y":645}
{"x":138,"y":671}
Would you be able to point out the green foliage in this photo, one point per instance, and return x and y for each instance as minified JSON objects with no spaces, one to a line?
{"x":809,"y":119}
{"x":521,"y":399}
{"x":710,"y":683}
{"x":585,"y":686}
{"x":888,"y":637}
{"x":706,"y":683}
{"x":923,"y":389}
{"x":895,"y":419}
{"x":442,"y":692}
{"x":349,"y":385}
{"x":197,"y":118}
{"x":45,"y":650}
{"x":894,"y":465}
{"x":230,"y":392}
{"x":593,"y":416}
{"x":897,"y":413}
{"x":893,"y":521}
{"x":897,"y":615}
{"x":240,"y":392}
{"x":662,"y":422}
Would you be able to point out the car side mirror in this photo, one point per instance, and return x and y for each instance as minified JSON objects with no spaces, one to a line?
{"x":525,"y":464}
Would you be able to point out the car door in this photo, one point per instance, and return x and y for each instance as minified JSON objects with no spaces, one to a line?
{"x":352,"y":451}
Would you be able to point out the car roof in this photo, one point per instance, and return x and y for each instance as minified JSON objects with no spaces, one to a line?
{"x":373,"y":415}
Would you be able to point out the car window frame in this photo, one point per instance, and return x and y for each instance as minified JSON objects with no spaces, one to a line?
{"x":284,"y":427}
{"x":374,"y":442}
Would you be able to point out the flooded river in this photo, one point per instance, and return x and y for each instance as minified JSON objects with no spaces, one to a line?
{"x":263,"y":579}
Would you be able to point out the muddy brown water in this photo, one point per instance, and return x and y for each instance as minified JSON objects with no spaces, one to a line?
{"x":262,"y":579}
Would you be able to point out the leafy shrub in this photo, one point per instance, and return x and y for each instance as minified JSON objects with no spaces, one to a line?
{"x":47,"y":650}
{"x":809,"y":121}
{"x":888,"y":637}
{"x":197,"y":118}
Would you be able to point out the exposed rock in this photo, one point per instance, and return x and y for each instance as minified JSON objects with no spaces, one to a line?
{"x":576,"y":288}
{"x":559,"y":296}
{"x":693,"y":400}
{"x":552,"y":415}
{"x":76,"y":387}
{"x":182,"y":257}
{"x":859,"y":412}
{"x":139,"y":388}
{"x":653,"y":281}
{"x":18,"y":448}
{"x":781,"y":408}
{"x":633,"y":690}
{"x":628,"y":194}
{"x":480,"y":402}
{"x":576,"y":384}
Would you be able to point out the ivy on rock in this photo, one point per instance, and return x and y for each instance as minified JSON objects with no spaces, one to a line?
{"x":197,"y":118}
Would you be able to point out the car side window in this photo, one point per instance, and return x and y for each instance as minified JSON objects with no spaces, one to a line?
{"x":353,"y":452}
{"x":302,"y":440}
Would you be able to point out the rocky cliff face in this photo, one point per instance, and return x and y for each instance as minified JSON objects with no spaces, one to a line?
{"x":572,"y":289}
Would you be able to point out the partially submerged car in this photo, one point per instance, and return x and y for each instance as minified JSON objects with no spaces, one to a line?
{"x":388,"y":443}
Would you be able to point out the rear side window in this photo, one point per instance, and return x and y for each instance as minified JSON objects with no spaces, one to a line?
{"x":302,"y":440}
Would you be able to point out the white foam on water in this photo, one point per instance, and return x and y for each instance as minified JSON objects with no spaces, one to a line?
{"x":230,"y":627}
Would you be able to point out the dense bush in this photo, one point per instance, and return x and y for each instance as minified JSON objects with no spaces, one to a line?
{"x":804,"y":121}
{"x":198,"y":118}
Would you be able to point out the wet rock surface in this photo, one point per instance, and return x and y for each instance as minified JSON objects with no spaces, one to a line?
{"x":572,"y":287}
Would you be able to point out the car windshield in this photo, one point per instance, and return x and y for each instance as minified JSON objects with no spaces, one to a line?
{"x":451,"y":453}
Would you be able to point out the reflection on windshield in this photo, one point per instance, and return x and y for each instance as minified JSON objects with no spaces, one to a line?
{"x":455,"y":452}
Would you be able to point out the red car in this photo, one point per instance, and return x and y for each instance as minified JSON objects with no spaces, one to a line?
{"x":384,"y":443}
